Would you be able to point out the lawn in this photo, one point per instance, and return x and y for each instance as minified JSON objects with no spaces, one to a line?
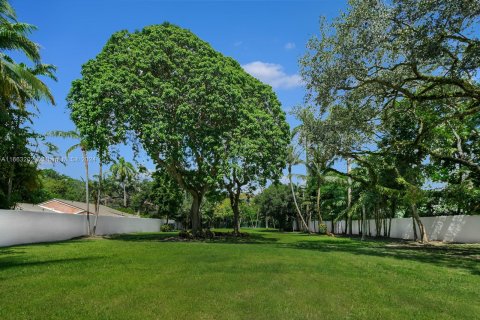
{"x":270,"y":275}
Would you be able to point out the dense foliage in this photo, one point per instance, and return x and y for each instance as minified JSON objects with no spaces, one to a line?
{"x":395,"y":90}
{"x":20,"y":87}
{"x":197,"y":114}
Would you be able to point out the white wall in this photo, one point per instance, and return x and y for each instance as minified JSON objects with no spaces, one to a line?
{"x":465,"y":229}
{"x":17,"y":227}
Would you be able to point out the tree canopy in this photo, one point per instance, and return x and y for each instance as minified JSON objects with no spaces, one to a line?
{"x":180,"y":99}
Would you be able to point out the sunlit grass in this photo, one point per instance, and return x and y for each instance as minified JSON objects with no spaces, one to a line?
{"x":269,"y":275}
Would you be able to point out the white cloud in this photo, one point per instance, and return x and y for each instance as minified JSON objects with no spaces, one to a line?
{"x":290,"y":45}
{"x":238,"y":43}
{"x":273,"y":74}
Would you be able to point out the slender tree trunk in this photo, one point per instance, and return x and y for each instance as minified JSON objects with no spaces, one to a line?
{"x":87,"y":181}
{"x":309,"y":217}
{"x":299,"y":212}
{"x":421,"y":227}
{"x":319,"y":207}
{"x":415,"y":237}
{"x":11,"y":173}
{"x":195,"y":212}
{"x":124,"y":194}
{"x":97,"y":209}
{"x":364,"y":221}
{"x":349,"y":198}
{"x":10,"y":185}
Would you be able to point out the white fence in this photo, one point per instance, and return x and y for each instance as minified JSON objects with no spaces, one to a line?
{"x":18,"y":227}
{"x":464,"y":229}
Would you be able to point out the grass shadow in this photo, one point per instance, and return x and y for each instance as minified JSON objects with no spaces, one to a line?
{"x":253,"y":238}
{"x":19,"y":261}
{"x":451,"y":256}
{"x":142,"y":237}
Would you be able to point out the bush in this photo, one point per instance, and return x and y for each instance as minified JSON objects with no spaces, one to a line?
{"x":185,"y":234}
{"x":202,"y":234}
{"x":322,"y":228}
{"x":209,"y":234}
{"x":166,"y":228}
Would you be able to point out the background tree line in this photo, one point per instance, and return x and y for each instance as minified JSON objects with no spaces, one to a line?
{"x":389,"y":127}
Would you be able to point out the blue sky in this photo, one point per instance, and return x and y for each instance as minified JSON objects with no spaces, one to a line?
{"x":266,"y":37}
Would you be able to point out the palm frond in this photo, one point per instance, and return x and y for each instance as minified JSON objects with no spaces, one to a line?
{"x":63,"y":134}
{"x":6,"y":11}
{"x":72,"y":148}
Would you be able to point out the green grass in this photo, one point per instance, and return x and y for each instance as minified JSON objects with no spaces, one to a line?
{"x":267,"y":276}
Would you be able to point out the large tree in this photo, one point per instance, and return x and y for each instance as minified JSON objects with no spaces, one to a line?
{"x":20,"y":86}
{"x":259,"y":151}
{"x":174,"y":94}
{"x":382,"y":59}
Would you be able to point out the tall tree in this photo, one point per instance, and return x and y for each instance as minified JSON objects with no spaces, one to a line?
{"x":171,"y":92}
{"x":124,"y":172}
{"x":404,"y":56}
{"x":81,"y":144}
{"x":20,"y":85}
{"x":292,"y":160}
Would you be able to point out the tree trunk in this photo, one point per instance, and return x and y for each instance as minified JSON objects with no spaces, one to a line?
{"x":415,"y":237}
{"x":124,"y":194}
{"x":299,"y":212}
{"x":195,"y":212}
{"x":97,"y":208}
{"x":349,"y":198}
{"x":319,"y":208}
{"x":87,"y":180}
{"x":421,"y":227}
{"x":10,"y":185}
{"x":234,"y":204}
{"x":364,"y":221}
{"x":234,"y":197}
{"x":11,"y":173}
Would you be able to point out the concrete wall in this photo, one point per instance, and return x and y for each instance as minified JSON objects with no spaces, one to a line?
{"x":17,"y":227}
{"x":465,"y":229}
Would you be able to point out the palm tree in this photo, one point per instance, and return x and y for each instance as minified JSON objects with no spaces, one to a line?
{"x":83,"y":146}
{"x":124,"y":172}
{"x":18,"y":83}
{"x":293,"y":159}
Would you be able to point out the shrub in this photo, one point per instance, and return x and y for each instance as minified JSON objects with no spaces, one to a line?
{"x":322,"y":228}
{"x":166,"y":228}
{"x":185,"y":234}
{"x":209,"y":234}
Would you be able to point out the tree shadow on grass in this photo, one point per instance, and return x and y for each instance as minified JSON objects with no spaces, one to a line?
{"x":142,"y":237}
{"x":253,"y":238}
{"x":19,"y":261}
{"x":451,"y":256}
